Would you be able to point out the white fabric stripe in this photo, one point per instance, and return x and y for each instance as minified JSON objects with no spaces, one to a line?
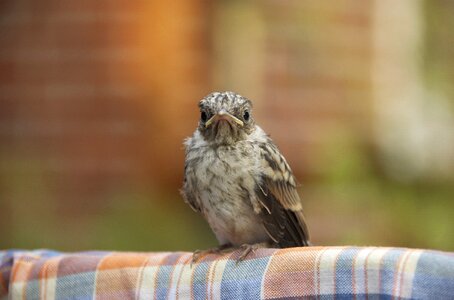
{"x":408,"y":273}
{"x":360,"y":269}
{"x":316,"y":270}
{"x":184,"y":288}
{"x":214,"y":278}
{"x":17,"y":290}
{"x":50,"y":287}
{"x":328,"y":271}
{"x":146,"y":285}
{"x":179,"y":267}
{"x":373,"y":270}
{"x":398,"y":273}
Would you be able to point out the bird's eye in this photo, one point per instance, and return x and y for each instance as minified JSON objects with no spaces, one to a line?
{"x":246,"y":115}
{"x":203,"y":116}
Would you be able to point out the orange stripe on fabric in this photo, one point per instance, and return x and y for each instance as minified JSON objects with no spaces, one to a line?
{"x":97,"y":274}
{"x":211,"y":272}
{"x":24,"y":288}
{"x":118,"y":261}
{"x":15,"y":271}
{"x":48,"y":271}
{"x":3,"y":285}
{"x":293,"y":268}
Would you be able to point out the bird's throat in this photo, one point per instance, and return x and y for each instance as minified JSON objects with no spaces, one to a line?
{"x":224,"y":131}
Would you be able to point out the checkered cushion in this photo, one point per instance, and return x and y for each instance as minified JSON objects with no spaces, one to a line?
{"x":314,"y":272}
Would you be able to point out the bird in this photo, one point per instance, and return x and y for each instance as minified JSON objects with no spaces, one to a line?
{"x":237,"y":179}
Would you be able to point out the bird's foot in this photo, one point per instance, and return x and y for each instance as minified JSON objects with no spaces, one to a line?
{"x":248,"y":249}
{"x":216,"y":250}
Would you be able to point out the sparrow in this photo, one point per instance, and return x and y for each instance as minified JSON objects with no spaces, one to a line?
{"x":235,"y":176}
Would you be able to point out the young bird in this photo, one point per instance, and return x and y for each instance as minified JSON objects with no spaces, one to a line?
{"x":238,"y":180}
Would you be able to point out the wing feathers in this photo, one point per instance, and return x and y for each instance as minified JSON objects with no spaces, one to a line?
{"x":283,"y":216}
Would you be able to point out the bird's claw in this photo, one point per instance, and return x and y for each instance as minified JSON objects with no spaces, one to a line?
{"x":248,"y":249}
{"x":195,"y":256}
{"x":217,"y":250}
{"x":245,"y":249}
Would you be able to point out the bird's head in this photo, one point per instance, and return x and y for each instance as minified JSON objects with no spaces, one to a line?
{"x":225,"y":118}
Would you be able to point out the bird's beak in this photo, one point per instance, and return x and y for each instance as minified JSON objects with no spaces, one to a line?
{"x":223,"y":115}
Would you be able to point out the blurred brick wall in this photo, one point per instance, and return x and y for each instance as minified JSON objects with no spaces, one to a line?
{"x":94,"y":95}
{"x":318,"y":85}
{"x":313,"y":84}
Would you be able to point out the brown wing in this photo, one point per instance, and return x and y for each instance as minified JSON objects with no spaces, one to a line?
{"x":282,"y":210}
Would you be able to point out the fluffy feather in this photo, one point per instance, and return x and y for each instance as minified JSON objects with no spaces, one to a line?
{"x":238,"y":180}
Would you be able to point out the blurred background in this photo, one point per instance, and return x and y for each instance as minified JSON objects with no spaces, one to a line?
{"x":96,"y":98}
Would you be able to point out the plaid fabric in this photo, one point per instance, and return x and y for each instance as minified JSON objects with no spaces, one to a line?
{"x":313,"y":272}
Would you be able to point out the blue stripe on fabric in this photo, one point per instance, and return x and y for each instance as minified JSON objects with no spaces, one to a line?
{"x":434,"y":278}
{"x":243,"y":280}
{"x":388,"y":270}
{"x":343,"y":297}
{"x":32,"y":290}
{"x":344,"y":273}
{"x":199,"y":283}
{"x":78,"y":286}
{"x":164,"y":275}
{"x":358,"y":296}
{"x":163,"y":281}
